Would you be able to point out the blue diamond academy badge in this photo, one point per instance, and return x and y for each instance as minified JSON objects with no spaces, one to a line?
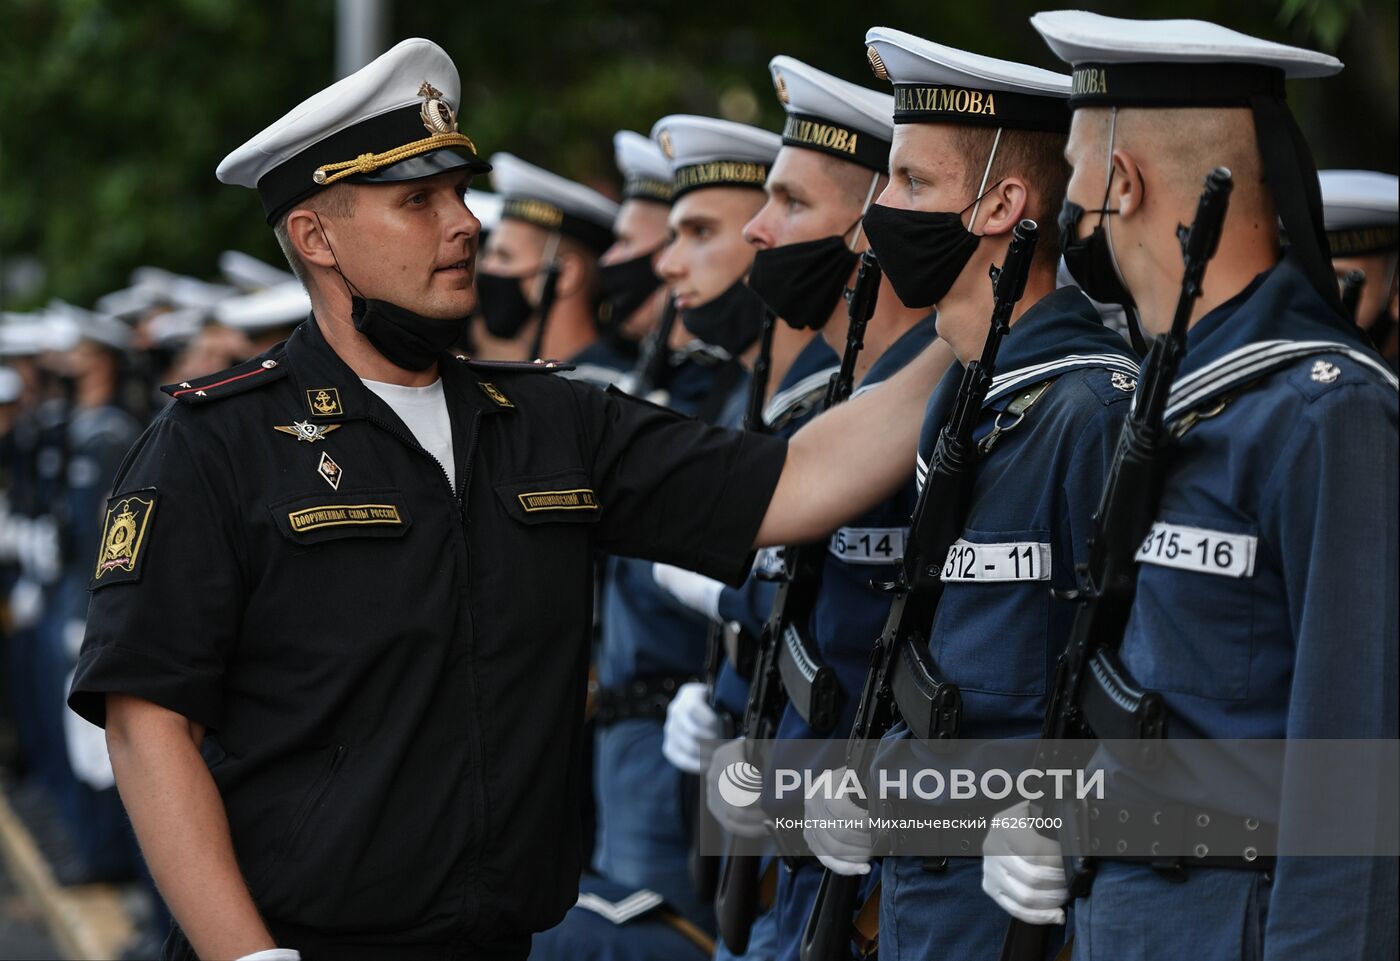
{"x":123,"y":537}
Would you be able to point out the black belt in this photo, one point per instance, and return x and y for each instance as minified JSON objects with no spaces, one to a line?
{"x":1212,"y":838}
{"x":642,"y":697}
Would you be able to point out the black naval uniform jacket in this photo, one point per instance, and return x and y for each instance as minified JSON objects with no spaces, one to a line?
{"x":393,"y":675}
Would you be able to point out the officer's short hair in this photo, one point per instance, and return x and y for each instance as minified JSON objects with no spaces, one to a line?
{"x":336,"y":201}
{"x":1038,"y":156}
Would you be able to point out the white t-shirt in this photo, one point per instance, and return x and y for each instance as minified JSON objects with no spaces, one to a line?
{"x":424,"y":412}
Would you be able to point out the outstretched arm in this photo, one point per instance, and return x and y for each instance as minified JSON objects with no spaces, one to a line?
{"x":853,"y":456}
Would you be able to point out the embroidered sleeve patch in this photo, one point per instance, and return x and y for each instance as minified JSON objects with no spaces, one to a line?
{"x":580,"y":499}
{"x":124,"y":532}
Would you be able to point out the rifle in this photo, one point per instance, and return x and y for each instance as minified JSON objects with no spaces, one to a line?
{"x":1352,"y":283}
{"x":902,"y":649}
{"x":1111,"y":704}
{"x":779,"y":668}
{"x":758,"y":377}
{"x":655,"y":363}
{"x":547,"y":290}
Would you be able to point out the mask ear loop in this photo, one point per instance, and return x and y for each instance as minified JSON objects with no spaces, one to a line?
{"x":551,"y":250}
{"x":859,"y":225}
{"x":982,"y":187}
{"x":350,"y":288}
{"x":1103,"y":207}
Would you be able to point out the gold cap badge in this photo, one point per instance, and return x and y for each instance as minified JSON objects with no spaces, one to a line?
{"x":876,"y":64}
{"x":781,"y":87}
{"x":663,"y":139}
{"x":437,"y":115}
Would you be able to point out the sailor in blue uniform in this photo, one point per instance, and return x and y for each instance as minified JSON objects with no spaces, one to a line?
{"x":543,"y":256}
{"x":834,"y":161}
{"x":800,"y":364}
{"x":1284,"y":624}
{"x":1361,"y":211}
{"x":1046,"y":433}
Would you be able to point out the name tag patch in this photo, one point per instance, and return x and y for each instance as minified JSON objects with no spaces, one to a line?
{"x":344,"y":515}
{"x":1018,"y":561}
{"x":867,"y":545}
{"x":579,"y":499}
{"x":1199,"y":549}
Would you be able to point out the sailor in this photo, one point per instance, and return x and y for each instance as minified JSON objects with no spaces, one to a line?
{"x":1361,"y":211}
{"x":344,"y":588}
{"x":834,"y":163}
{"x":538,"y":280}
{"x":1286,"y":628}
{"x":962,"y":177}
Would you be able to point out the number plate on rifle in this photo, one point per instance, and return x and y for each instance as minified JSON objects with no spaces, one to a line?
{"x":1198,"y":549}
{"x":868,"y":545}
{"x":1021,"y":561}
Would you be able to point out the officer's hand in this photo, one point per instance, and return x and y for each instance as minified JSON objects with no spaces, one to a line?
{"x":692,"y":731}
{"x":273,"y":954}
{"x":845,"y":850}
{"x":695,"y":591}
{"x":1023,"y":871}
{"x":746,"y":820}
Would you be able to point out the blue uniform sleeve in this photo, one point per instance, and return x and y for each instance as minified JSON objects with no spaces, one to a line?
{"x":1333,"y":510}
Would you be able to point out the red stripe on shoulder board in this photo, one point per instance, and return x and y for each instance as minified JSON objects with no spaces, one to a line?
{"x":229,"y":380}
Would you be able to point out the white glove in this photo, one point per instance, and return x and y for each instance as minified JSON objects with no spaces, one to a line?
{"x":1023,"y":872}
{"x":87,"y":748}
{"x":844,"y":850}
{"x":692,"y":730}
{"x":273,"y":954}
{"x":746,"y":820}
{"x":695,"y":591}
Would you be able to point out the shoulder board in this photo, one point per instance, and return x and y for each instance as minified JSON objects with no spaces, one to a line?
{"x":249,"y":375}
{"x":517,"y":366}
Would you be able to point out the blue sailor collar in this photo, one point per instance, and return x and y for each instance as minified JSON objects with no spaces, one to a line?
{"x":1276,"y":320}
{"x":906,"y":347}
{"x":803,"y":387}
{"x":1060,"y":333}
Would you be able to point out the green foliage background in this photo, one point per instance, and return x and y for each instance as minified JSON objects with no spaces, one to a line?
{"x":114,"y":114}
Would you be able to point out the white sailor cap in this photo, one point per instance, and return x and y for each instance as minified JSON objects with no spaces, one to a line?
{"x":85,"y":325}
{"x":833,"y":116}
{"x":1361,"y":211}
{"x":174,"y":329}
{"x":485,"y":207}
{"x":282,"y":306}
{"x":1194,"y":63}
{"x":1171,"y":63}
{"x":536,"y":196}
{"x":706,"y":152}
{"x":248,"y":273}
{"x":22,"y":335}
{"x":934,"y":83}
{"x":646,"y":173}
{"x":129,"y":302}
{"x":10,"y":386}
{"x":178,"y":290}
{"x":394,"y":119}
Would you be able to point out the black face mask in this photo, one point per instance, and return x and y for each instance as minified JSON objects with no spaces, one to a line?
{"x":731,"y":321}
{"x":921,"y":253}
{"x":1089,"y":260}
{"x":503,"y":304}
{"x":404,"y":338}
{"x":624,"y":287}
{"x":802,"y":283}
